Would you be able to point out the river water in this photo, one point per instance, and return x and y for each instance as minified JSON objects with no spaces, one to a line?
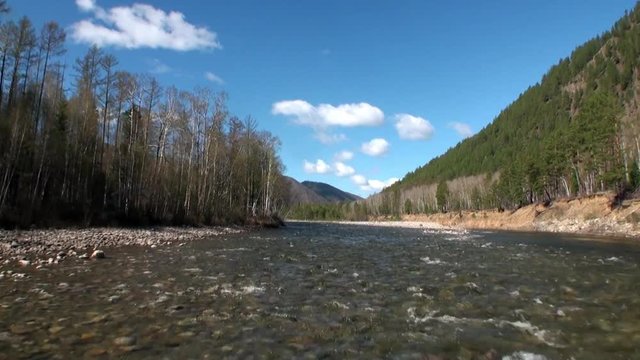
{"x":334,"y":291}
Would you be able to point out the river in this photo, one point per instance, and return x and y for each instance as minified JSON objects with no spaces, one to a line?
{"x":333,"y":291}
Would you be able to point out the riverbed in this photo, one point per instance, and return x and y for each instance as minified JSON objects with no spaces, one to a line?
{"x":314,"y":290}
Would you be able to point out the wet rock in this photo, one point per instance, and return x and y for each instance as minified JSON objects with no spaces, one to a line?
{"x":94,"y":352}
{"x":83,"y":256}
{"x":24,"y":262}
{"x":55,"y":329}
{"x":124,"y":341}
{"x":20,"y":329}
{"x":172,"y":342}
{"x":14,"y":244}
{"x":98,"y":254}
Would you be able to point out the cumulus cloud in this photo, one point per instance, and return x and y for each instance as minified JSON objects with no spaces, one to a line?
{"x":326,"y":115}
{"x":343,"y":169}
{"x":462,"y":129}
{"x":213,"y":78}
{"x":158,"y":67}
{"x":359,"y":180}
{"x":413,"y":127}
{"x":372,"y":185}
{"x":319,"y":167}
{"x":328,"y":139}
{"x":344,"y":155}
{"x":375,"y":147}
{"x":140,"y":26}
{"x":86,"y":5}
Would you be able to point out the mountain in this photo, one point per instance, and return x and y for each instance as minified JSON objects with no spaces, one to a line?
{"x":309,"y":192}
{"x":574,"y":133}
{"x":330,"y":193}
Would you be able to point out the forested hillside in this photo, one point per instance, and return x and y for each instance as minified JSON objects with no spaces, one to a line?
{"x":94,"y":144}
{"x":575,"y":133}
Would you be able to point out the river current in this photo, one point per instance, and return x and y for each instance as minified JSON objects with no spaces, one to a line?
{"x":314,"y":290}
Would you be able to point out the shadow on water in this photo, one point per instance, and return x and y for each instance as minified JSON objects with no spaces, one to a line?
{"x":327,"y":290}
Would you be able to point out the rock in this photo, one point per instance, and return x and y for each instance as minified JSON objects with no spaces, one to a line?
{"x":55,"y":329}
{"x":124,"y":341}
{"x":94,"y":352}
{"x":98,"y":254}
{"x":19,"y":329}
{"x":24,"y":262}
{"x":83,"y":257}
{"x":14,"y":244}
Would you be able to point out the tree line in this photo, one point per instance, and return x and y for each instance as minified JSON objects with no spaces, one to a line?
{"x":95,"y":144}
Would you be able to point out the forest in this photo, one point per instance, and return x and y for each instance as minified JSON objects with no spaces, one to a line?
{"x":575,"y":133}
{"x":93,"y":144}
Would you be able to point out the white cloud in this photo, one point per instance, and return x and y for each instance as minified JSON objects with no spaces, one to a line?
{"x":158,"y":67}
{"x":319,"y":167}
{"x":359,"y":180}
{"x":329,"y":139}
{"x":326,"y":115}
{"x":86,"y":5}
{"x":375,"y":147}
{"x":343,"y":169}
{"x":140,"y":26}
{"x":462,"y":129}
{"x":378,"y":185}
{"x":344,"y":155}
{"x":413,"y":127}
{"x":213,"y":78}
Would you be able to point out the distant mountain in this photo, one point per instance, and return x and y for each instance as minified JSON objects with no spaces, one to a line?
{"x":309,"y":192}
{"x":330,"y":193}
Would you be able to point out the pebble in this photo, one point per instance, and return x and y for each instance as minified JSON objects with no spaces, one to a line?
{"x":98,"y":254}
{"x":24,"y":262}
{"x":95,"y":352}
{"x":19,"y":329}
{"x":124,"y":341}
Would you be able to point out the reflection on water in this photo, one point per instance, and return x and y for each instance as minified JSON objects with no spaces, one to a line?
{"x":320,"y":290}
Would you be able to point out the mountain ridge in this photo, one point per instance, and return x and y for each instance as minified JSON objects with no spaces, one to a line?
{"x":310,"y":192}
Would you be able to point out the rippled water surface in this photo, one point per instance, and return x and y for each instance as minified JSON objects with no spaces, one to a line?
{"x":325,"y":290}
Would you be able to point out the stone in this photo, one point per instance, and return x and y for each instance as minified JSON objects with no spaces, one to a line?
{"x":19,"y":329}
{"x":98,"y":254}
{"x":124,"y":341}
{"x":94,"y":352}
{"x":24,"y":262}
{"x":14,"y":244}
{"x":83,"y":257}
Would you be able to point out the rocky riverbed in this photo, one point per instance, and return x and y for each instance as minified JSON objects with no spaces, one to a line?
{"x":52,"y":246}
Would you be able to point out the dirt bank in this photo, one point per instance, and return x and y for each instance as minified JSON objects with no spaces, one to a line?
{"x":592,"y":215}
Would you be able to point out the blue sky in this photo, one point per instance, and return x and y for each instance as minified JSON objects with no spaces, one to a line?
{"x":359,"y":91}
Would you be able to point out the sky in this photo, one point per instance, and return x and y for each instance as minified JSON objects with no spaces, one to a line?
{"x":360,"y":92}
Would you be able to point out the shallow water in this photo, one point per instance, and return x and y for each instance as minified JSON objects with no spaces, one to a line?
{"x":326,"y":290}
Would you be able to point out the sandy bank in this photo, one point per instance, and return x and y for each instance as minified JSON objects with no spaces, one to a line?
{"x":43,"y":247}
{"x":590,"y":215}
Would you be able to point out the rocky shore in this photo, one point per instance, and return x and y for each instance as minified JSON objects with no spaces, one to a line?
{"x":51,"y":246}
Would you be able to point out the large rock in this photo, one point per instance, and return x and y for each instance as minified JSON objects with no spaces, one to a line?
{"x":98,"y":254}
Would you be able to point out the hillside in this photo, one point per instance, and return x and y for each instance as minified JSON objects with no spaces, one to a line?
{"x":309,"y":192}
{"x":330,"y":193}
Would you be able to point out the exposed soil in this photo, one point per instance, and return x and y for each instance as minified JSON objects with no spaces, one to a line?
{"x":592,"y":215}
